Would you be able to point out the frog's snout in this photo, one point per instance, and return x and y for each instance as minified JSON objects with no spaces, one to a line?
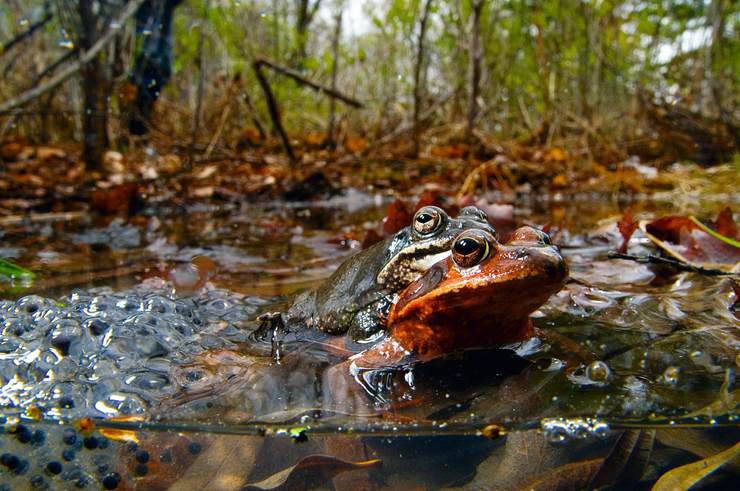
{"x":551,"y":262}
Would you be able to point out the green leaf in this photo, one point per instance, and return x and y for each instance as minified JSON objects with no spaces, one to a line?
{"x":15,"y":272}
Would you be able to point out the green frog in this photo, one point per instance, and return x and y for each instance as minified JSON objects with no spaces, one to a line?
{"x":356,"y":299}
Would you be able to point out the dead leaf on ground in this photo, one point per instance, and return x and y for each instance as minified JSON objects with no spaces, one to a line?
{"x":355,"y":144}
{"x":122,"y":198}
{"x":397,"y":217}
{"x":455,"y":151}
{"x":310,"y":472}
{"x":556,"y":154}
{"x":206,"y":172}
{"x":47,"y":153}
{"x":431,"y":197}
{"x":560,"y":181}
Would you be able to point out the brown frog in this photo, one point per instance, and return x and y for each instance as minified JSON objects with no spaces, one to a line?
{"x":480,"y":296}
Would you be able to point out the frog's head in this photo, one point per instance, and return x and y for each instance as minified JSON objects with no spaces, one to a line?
{"x":414,"y":249}
{"x":481,"y":295}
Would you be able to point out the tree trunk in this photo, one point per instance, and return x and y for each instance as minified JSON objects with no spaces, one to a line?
{"x":201,"y":83}
{"x":712,"y":103}
{"x":95,"y":88}
{"x":330,"y":141}
{"x":418,"y":89}
{"x":586,"y":69}
{"x":304,"y":16}
{"x":476,"y":54}
{"x":543,"y":72}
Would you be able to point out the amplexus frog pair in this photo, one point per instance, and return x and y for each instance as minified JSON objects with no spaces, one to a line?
{"x":440,"y":285}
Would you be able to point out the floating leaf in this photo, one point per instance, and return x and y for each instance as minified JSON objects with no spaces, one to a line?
{"x":687,"y":475}
{"x":310,"y":472}
{"x":15,"y":272}
{"x":686,"y":239}
{"x":627,"y":226}
{"x":716,"y":235}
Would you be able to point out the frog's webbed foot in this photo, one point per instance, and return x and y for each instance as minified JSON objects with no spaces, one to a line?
{"x":272,"y":325}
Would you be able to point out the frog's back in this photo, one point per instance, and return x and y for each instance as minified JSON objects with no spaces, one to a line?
{"x":352,"y":287}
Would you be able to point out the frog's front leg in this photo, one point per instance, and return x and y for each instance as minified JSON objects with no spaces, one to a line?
{"x":273,"y":325}
{"x":363,"y":382}
{"x":370,"y":322}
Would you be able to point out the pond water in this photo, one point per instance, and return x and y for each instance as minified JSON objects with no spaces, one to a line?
{"x":129,"y":364}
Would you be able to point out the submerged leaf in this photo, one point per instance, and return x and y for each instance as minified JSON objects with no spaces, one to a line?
{"x":628,"y":459}
{"x":566,"y":477}
{"x":701,"y":442}
{"x":687,"y":475}
{"x":15,"y":272}
{"x":310,"y":472}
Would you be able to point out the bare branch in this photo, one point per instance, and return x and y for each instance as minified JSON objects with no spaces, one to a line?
{"x":85,"y":57}
{"x":25,"y":34}
{"x":274,"y":111}
{"x":304,"y":81}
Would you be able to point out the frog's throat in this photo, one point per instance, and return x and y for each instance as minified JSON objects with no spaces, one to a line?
{"x":404,"y":269}
{"x":427,"y":341}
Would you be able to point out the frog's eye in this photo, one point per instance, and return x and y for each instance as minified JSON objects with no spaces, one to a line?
{"x":471,"y":248}
{"x":474,"y":213}
{"x":428,"y":220}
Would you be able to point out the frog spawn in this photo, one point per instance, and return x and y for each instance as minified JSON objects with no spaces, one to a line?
{"x":96,"y":354}
{"x":109,"y":354}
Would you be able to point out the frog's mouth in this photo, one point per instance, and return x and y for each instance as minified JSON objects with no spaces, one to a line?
{"x":409,"y":265}
{"x":422,"y":265}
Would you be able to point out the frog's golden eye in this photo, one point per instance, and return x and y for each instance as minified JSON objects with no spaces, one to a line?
{"x":471,"y":248}
{"x":428,"y":220}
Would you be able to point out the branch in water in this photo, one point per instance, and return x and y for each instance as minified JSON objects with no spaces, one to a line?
{"x":652,"y":259}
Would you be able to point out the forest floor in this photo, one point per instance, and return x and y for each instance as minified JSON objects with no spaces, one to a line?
{"x":54,"y":179}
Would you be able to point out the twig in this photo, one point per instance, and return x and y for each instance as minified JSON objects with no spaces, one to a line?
{"x":274,"y":111}
{"x":85,"y":58}
{"x":403,"y":128}
{"x":42,"y":217}
{"x":681,"y":266}
{"x":253,"y":114}
{"x":53,"y":66}
{"x":217,"y":133}
{"x":25,"y":34}
{"x":304,"y":81}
